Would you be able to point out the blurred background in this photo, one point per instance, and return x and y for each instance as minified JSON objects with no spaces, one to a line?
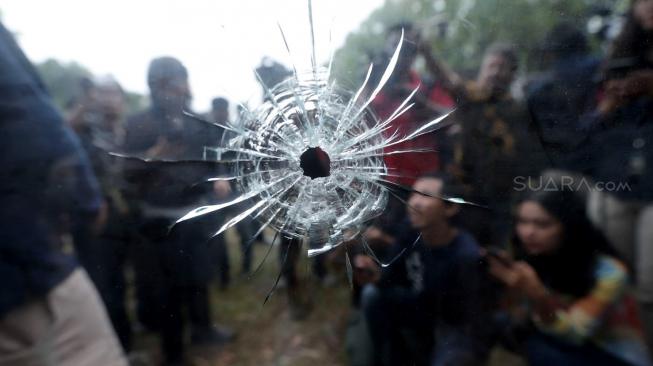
{"x":553,"y":91}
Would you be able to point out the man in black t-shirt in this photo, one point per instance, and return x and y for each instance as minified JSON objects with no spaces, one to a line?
{"x":425,"y":308}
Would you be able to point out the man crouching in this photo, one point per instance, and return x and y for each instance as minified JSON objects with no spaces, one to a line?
{"x":426,"y":308}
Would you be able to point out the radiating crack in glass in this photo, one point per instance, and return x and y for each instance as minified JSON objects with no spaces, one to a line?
{"x":310,"y":157}
{"x":314,"y":152}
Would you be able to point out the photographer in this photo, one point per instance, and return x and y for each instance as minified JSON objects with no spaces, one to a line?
{"x":494,"y":138}
{"x":430,"y":101}
{"x":568,"y":281}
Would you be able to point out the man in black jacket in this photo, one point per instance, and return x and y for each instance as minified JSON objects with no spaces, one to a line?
{"x":174,"y":266}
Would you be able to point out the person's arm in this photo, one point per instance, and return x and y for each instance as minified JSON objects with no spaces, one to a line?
{"x":448,"y":79}
{"x":576,"y":321}
{"x":580,"y":320}
{"x":621,"y":92}
{"x":366,"y":271}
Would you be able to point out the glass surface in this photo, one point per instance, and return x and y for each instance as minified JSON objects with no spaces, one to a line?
{"x":329,"y":182}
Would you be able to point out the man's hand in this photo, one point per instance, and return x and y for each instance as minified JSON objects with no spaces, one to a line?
{"x":619,"y":92}
{"x":366,"y":270}
{"x":164,"y":149}
{"x":222,"y":188}
{"x":638,"y":83}
{"x":518,"y":275}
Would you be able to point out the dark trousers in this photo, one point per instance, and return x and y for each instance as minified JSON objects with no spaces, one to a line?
{"x":173,"y":269}
{"x":246,"y":232}
{"x":403,"y":333}
{"x":289,"y":252}
{"x":175,"y":297}
{"x":104,"y":257}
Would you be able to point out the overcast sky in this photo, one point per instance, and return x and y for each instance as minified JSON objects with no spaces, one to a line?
{"x":219,"y":41}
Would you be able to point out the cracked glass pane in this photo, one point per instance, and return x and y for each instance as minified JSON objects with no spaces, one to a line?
{"x":308,"y":124}
{"x":444,"y":157}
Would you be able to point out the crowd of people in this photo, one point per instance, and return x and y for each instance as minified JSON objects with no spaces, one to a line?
{"x":528,"y":224}
{"x":551,"y":266}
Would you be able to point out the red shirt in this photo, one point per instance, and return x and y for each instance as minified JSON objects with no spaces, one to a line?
{"x":410,"y":165}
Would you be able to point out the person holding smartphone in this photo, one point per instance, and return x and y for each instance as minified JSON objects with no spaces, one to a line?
{"x":573,"y":287}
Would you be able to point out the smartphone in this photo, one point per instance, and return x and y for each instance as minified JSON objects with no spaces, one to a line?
{"x":497,"y":254}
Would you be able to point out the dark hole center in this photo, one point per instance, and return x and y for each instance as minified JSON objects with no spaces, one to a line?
{"x":315,"y":163}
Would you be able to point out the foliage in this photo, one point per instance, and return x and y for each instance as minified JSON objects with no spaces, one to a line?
{"x":65,"y":82}
{"x":460,"y":30}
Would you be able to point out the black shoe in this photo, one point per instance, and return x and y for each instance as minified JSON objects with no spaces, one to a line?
{"x":213,"y":335}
